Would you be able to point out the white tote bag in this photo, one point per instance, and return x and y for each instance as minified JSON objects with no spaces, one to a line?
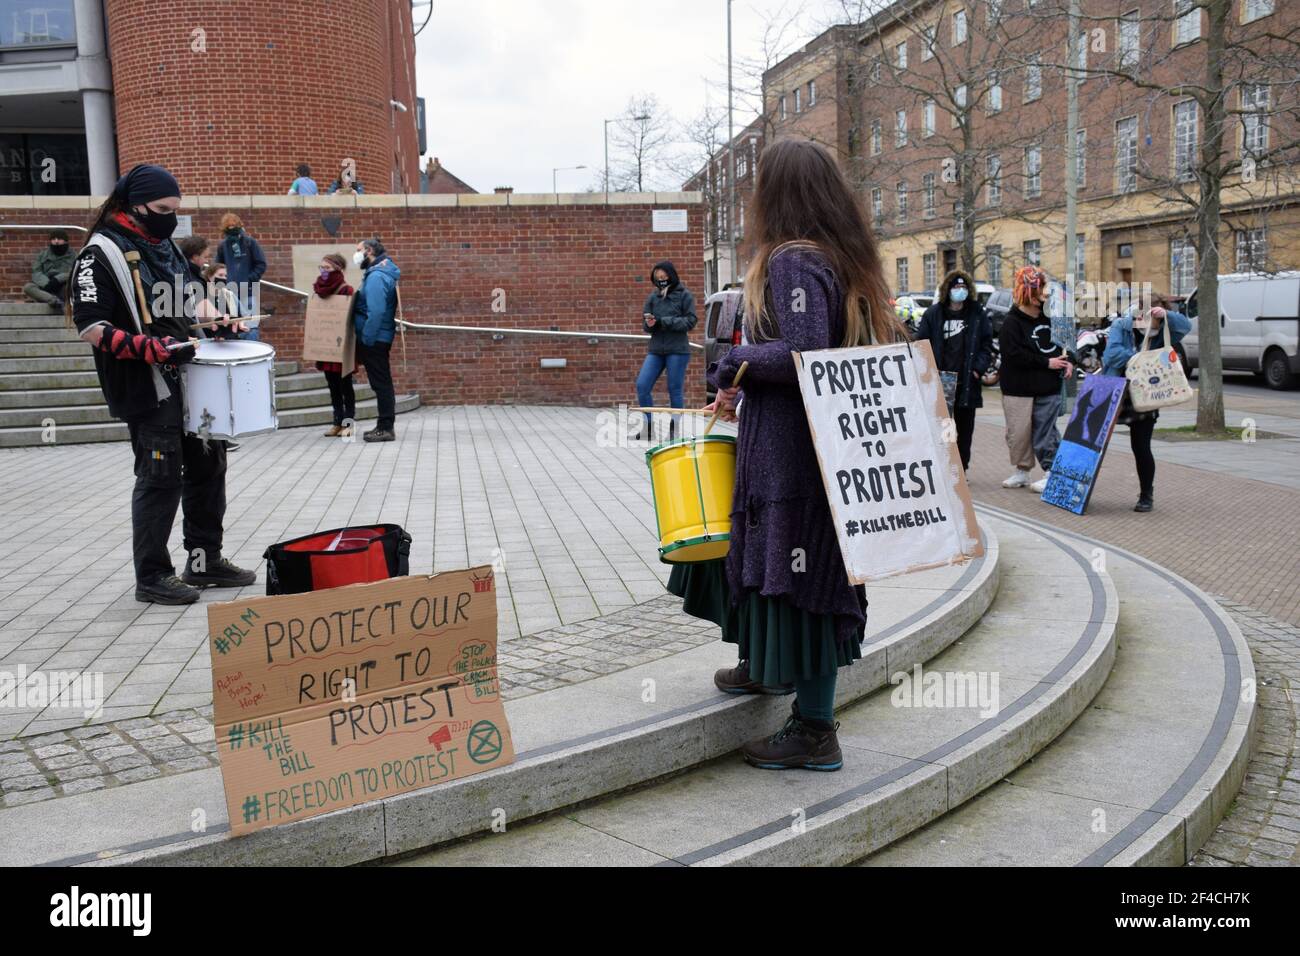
{"x":1156,"y":378}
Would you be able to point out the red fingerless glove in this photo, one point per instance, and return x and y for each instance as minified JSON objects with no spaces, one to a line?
{"x":141,"y":348}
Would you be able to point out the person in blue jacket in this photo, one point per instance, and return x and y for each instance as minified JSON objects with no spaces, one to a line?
{"x":245,"y":265}
{"x":1165,"y":329}
{"x":374,"y":314}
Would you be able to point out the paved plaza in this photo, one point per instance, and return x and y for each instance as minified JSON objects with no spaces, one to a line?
{"x":562,"y":509}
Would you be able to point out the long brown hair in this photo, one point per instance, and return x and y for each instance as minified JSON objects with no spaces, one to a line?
{"x":802,"y":197}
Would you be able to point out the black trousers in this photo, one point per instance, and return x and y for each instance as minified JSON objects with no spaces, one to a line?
{"x":342,"y":396}
{"x":375,"y":359}
{"x":965,"y":421}
{"x":1139,"y":440}
{"x":174,"y":469}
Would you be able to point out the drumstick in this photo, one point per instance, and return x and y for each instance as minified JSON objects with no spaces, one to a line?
{"x":230,"y":321}
{"x":718,"y":409}
{"x":133,"y":260}
{"x":180,"y":345}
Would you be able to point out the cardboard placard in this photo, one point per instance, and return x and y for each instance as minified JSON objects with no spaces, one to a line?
{"x":332,"y":698}
{"x":1087,"y":433}
{"x":327,"y":331}
{"x":889,"y":459}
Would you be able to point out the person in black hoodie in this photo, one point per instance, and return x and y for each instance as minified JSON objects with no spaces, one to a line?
{"x":137,"y":348}
{"x":961,"y":337}
{"x":1032,"y":365}
{"x":668,"y":315}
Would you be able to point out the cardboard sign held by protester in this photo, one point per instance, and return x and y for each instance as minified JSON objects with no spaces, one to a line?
{"x":327,"y":332}
{"x":1078,"y":459}
{"x":332,"y":698}
{"x":889,"y":459}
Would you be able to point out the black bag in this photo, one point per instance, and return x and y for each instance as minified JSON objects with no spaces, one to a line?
{"x":332,"y":559}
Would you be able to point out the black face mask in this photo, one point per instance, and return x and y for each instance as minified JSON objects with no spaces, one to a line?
{"x":160,"y":225}
{"x":58,"y":248}
{"x":232,"y":231}
{"x":661,"y":283}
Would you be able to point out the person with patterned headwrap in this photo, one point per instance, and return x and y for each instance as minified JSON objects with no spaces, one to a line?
{"x":1032,"y":365}
{"x":136,"y":355}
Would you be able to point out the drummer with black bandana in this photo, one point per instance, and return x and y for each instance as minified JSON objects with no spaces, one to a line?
{"x":140,"y":333}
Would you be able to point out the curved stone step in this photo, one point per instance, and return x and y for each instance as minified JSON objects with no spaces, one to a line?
{"x":71,"y":434}
{"x":1146,"y":772}
{"x":1049,"y":638}
{"x":584,"y":740}
{"x":14,"y":314}
{"x":52,"y":397}
{"x":47,"y":381}
{"x":79,"y":361}
{"x":44,"y":349}
{"x":60,"y":335}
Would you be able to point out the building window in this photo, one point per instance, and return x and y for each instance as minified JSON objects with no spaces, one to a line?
{"x":1252,"y":250}
{"x":995,"y":93}
{"x":878,"y":205}
{"x":812,"y":93}
{"x":900,"y":55}
{"x":1033,"y":172}
{"x":875,"y":70}
{"x":995,"y":11}
{"x":900,"y":128}
{"x":742,"y":164}
{"x":1080,"y":158}
{"x":1033,"y":250}
{"x":959,"y":97}
{"x":1126,"y":154}
{"x":1252,"y":10}
{"x":1033,"y":80}
{"x":1187,"y":21}
{"x":927,"y":196}
{"x":959,"y":28}
{"x":993,"y":175}
{"x":798,"y":101}
{"x":1080,"y":258}
{"x":783,"y":113}
{"x":1182,"y":267}
{"x":900,"y":214}
{"x":875,"y":138}
{"x":1128,"y":34}
{"x":1254,"y":119}
{"x":927,"y":43}
{"x":993,"y":255}
{"x":958,"y":220}
{"x":900,"y":277}
{"x":927,"y":118}
{"x":929,"y":270}
{"x":1185,"y":140}
{"x":45,"y":24}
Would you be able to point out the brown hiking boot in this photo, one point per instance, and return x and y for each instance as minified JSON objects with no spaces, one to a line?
{"x":735,"y":680}
{"x":334,"y":431}
{"x":802,"y":744}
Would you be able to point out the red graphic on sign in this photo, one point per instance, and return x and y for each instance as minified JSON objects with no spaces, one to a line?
{"x":440,"y":736}
{"x":484,"y":583}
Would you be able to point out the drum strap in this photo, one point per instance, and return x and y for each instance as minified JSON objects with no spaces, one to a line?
{"x":126,"y":293}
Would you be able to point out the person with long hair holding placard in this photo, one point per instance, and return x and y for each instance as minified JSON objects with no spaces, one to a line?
{"x":782,"y":593}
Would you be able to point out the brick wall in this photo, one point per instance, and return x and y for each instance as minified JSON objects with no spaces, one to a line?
{"x":229,"y":110}
{"x":574,"y":265}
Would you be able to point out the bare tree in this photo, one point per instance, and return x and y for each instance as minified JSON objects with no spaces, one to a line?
{"x":641,"y":144}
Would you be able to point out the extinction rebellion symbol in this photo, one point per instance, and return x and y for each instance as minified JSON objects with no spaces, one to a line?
{"x":484,"y":742}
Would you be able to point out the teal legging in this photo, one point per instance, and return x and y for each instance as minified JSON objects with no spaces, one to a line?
{"x":816,"y":697}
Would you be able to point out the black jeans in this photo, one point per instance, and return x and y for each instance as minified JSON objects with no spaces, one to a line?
{"x":171,"y":469}
{"x":965,"y":421}
{"x":375,"y":359}
{"x":342,"y":396}
{"x":1139,"y":439}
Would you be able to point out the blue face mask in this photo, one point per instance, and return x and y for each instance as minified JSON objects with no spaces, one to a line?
{"x":958,"y":295}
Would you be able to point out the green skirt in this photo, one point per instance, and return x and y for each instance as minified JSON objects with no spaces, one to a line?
{"x":782,"y":643}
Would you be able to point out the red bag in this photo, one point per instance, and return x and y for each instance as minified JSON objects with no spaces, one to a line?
{"x":332,"y":559}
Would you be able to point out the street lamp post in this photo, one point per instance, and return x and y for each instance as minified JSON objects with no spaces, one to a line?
{"x":731,"y":156}
{"x":555,"y":171}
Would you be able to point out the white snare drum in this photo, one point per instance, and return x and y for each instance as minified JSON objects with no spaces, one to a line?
{"x":229,"y":389}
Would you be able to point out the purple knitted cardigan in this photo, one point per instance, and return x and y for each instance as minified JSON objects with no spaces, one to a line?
{"x":779,"y":504}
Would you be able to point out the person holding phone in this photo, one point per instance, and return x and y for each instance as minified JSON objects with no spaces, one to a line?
{"x":668,"y":316}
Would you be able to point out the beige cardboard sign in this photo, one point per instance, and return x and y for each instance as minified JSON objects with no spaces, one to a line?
{"x":333,"y":698}
{"x":888,"y":455}
{"x":327,"y":332}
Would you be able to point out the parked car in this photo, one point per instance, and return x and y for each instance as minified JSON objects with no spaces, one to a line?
{"x":1259,"y":326}
{"x":997,"y":305}
{"x":722,"y":323}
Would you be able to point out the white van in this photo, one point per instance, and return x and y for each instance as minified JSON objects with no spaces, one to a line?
{"x":1259,"y":325}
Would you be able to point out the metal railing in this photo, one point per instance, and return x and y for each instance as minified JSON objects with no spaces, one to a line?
{"x":48,"y":227}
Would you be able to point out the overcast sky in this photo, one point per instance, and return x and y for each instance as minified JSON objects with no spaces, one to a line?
{"x":514,"y":88}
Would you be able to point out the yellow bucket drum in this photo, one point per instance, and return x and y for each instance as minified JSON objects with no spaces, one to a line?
{"x":692,"y":481}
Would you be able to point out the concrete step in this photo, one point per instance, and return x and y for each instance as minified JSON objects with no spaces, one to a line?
{"x":80,"y":432}
{"x":81,"y":361}
{"x":1146,"y":772}
{"x":572,"y":744}
{"x":52,"y":397}
{"x":20,"y":350}
{"x":1048,"y":639}
{"x":19,"y":336}
{"x":46,"y":378}
{"x":10,"y":311}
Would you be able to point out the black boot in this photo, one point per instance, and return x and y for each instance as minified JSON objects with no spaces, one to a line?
{"x":736,"y":680}
{"x":166,"y":590}
{"x":379,"y":434}
{"x":1146,"y":501}
{"x":218,"y":574}
{"x":802,"y":744}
